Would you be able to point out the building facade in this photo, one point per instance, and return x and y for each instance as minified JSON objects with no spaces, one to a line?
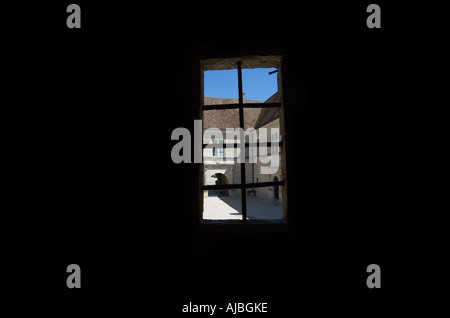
{"x":220,"y":163}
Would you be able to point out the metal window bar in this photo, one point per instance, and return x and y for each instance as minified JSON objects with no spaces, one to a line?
{"x":223,"y":145}
{"x":238,"y":186}
{"x":247,"y":105}
{"x":241,"y":124}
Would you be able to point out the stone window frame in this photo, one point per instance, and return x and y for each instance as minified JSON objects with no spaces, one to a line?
{"x":239,"y":63}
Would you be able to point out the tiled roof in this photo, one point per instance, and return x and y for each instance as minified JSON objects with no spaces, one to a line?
{"x":269,"y":114}
{"x":221,"y":101}
{"x":228,"y":118}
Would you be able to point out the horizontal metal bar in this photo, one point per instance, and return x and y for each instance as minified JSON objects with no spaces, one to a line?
{"x":261,"y":105}
{"x":245,"y":105}
{"x":246,"y":145}
{"x":239,"y":186}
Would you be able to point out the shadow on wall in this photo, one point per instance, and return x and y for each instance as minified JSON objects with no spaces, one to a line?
{"x":257,"y":208}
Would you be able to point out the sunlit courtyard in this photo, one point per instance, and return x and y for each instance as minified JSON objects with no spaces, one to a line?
{"x":230,"y":207}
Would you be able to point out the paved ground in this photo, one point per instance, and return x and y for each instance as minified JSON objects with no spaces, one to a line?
{"x":228,"y":208}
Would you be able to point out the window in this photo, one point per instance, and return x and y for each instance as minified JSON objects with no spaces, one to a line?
{"x":243,"y":159}
{"x":217,"y":151}
{"x":274,"y":139}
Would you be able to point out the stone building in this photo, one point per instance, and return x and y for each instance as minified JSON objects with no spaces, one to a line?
{"x":220,"y":166}
{"x":269,"y":118}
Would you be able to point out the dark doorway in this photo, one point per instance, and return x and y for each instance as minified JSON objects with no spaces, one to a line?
{"x":276,"y":189}
{"x":221,"y":180}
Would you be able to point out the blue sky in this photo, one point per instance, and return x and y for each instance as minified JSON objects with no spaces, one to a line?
{"x":257,"y":84}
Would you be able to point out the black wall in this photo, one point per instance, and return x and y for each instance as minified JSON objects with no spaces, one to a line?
{"x":338,"y":91}
{"x":95,"y":122}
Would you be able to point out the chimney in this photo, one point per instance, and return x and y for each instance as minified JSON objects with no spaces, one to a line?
{"x":243,"y":96}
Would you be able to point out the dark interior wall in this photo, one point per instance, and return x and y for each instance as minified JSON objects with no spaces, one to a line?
{"x":226,"y":260}
{"x":273,"y":261}
{"x":101,"y":105}
{"x":334,"y":77}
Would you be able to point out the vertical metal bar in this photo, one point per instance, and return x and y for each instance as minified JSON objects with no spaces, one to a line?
{"x":242,"y":140}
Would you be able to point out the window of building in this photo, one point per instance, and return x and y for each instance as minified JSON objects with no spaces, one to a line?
{"x":217,"y":151}
{"x":243,"y":174}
